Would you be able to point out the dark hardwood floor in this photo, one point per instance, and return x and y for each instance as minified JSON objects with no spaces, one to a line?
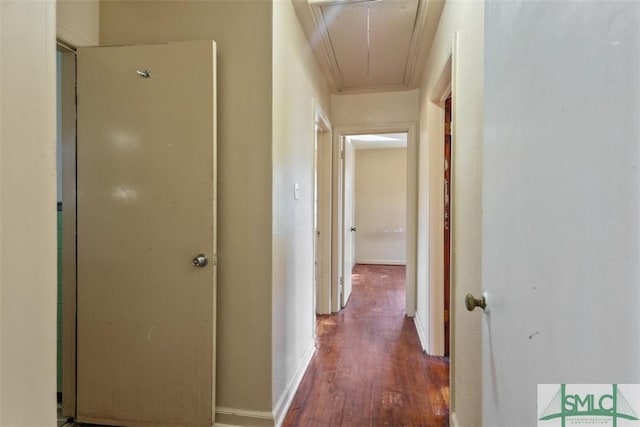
{"x":369,"y":369}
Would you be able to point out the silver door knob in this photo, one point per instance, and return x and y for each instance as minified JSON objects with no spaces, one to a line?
{"x":472,"y":302}
{"x":200,"y":260}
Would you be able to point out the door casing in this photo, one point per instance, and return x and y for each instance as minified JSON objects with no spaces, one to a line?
{"x":68,"y":131}
{"x":339,"y":229}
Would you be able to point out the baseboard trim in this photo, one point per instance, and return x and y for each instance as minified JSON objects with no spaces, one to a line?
{"x":382,"y":262}
{"x":283,"y":404}
{"x":421,"y":332}
{"x":226,"y":417}
{"x":453,"y":420}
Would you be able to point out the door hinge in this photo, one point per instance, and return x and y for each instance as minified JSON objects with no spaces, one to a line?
{"x":446,"y":315}
{"x":215,"y":260}
{"x":341,"y":154}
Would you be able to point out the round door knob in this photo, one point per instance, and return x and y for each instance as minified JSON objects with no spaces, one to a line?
{"x":353,"y":229}
{"x":472,"y":302}
{"x":200,"y":260}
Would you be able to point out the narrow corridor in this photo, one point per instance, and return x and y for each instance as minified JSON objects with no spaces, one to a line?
{"x":369,"y":369}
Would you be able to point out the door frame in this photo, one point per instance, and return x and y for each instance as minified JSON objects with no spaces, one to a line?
{"x":444,"y":88}
{"x":323,"y":166}
{"x":67,"y":42}
{"x":338,"y":272}
{"x":447,"y":224}
{"x":69,"y":265}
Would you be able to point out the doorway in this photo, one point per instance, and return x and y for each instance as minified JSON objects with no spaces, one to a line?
{"x":98,"y":285}
{"x":66,"y":168}
{"x":322,"y":213}
{"x":379,"y":200}
{"x":375,"y":202}
{"x":345,"y":227}
{"x":448,"y":167}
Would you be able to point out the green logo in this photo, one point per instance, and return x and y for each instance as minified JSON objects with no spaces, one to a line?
{"x":584,"y":406}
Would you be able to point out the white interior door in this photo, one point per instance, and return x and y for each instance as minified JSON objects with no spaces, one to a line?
{"x":561,"y":207}
{"x":350,"y":228}
{"x":146,"y":209}
{"x":322,"y":216}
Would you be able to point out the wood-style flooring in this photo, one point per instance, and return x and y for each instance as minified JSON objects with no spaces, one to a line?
{"x":369,"y":369}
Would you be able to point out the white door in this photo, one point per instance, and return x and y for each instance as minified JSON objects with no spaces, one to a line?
{"x":561,"y":207}
{"x":322,"y":217}
{"x":348,"y":222}
{"x":146,"y":211}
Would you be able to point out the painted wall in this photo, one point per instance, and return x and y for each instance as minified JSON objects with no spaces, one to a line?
{"x":464,"y":18}
{"x":381,"y":205}
{"x":296,"y":83}
{"x":242,"y":31}
{"x":374,"y":108}
{"x":561,"y":200}
{"x":77,"y":21}
{"x":27,"y":214}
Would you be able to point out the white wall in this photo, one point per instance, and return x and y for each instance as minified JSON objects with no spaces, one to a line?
{"x":381,"y":205}
{"x":242,"y":31}
{"x":296,"y":83}
{"x":561,"y":200}
{"x":462,"y":19}
{"x":27,"y":214}
{"x":77,"y":21}
{"x":374,"y":108}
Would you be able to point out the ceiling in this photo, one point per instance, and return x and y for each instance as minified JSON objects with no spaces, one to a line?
{"x":370,"y":45}
{"x":380,"y":140}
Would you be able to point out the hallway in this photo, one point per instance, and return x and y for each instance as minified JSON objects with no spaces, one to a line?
{"x":369,"y":369}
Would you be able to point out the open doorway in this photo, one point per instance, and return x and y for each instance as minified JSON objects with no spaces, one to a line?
{"x":349,"y":140}
{"x":78,"y":352}
{"x":66,"y":212}
{"x":371,"y":334}
{"x":375,"y":202}
{"x":448,"y":166}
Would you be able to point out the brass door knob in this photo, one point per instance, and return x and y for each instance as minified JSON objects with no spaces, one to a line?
{"x":472,"y":302}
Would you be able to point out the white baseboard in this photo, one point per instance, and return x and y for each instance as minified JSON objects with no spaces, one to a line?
{"x":284,"y":402}
{"x":454,"y":420}
{"x":421,"y":332}
{"x":233,"y":417}
{"x":381,"y":262}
